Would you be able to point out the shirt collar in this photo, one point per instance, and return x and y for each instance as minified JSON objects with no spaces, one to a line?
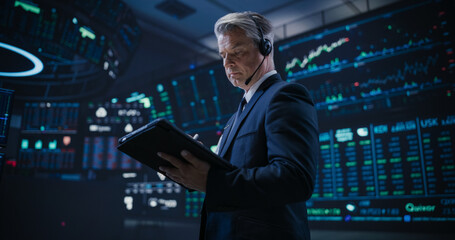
{"x":248,"y":95}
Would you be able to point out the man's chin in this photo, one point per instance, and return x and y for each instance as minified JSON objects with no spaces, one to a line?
{"x":236,"y":82}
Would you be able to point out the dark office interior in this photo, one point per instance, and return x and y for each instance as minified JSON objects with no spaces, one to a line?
{"x":76,"y":76}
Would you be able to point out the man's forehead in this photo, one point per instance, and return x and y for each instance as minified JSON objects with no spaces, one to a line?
{"x":233,"y":39}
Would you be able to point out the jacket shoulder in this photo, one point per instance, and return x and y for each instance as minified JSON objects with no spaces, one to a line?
{"x":289,"y":89}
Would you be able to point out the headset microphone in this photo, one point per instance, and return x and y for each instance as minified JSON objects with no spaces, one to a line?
{"x":249,"y":79}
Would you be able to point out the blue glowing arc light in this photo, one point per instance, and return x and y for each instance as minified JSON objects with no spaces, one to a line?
{"x":38,"y":65}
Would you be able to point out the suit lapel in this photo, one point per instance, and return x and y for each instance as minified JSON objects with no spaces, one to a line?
{"x":226,"y":131}
{"x":226,"y":143}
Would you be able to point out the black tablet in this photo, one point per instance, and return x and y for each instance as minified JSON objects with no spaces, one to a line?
{"x":162,"y":136}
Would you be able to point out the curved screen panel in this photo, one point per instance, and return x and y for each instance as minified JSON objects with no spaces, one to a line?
{"x":6,"y":103}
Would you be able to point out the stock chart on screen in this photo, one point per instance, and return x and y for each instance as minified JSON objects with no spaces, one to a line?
{"x":383,"y":86}
{"x":49,"y":138}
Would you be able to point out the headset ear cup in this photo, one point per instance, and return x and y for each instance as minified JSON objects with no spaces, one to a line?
{"x":266,"y":47}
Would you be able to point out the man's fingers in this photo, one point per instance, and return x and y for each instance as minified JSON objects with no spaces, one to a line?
{"x":171,"y":159}
{"x":190,"y":172}
{"x":171,"y":173}
{"x":190,"y":158}
{"x":193,"y":160}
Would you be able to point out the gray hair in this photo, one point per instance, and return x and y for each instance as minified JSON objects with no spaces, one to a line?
{"x":244,"y":21}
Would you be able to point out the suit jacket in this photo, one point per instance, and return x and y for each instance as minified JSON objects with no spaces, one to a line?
{"x":274,"y":144}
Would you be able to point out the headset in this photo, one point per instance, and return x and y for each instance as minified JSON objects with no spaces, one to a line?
{"x":265,"y":46}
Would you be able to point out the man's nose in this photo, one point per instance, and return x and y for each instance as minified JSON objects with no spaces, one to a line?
{"x":228,"y":60}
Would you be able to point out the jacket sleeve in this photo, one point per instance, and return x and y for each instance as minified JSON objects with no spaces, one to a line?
{"x":289,"y":173}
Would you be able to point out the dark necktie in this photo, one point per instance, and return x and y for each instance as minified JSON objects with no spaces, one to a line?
{"x":237,"y":115}
{"x":242,"y":105}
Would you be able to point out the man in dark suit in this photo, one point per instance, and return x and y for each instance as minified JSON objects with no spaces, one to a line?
{"x":272,"y":140}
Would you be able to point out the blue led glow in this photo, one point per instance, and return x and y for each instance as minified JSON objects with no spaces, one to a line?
{"x":160,"y":87}
{"x":350,"y":207}
{"x":38,"y":65}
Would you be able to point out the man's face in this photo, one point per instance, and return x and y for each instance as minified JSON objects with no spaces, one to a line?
{"x":240,"y":56}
